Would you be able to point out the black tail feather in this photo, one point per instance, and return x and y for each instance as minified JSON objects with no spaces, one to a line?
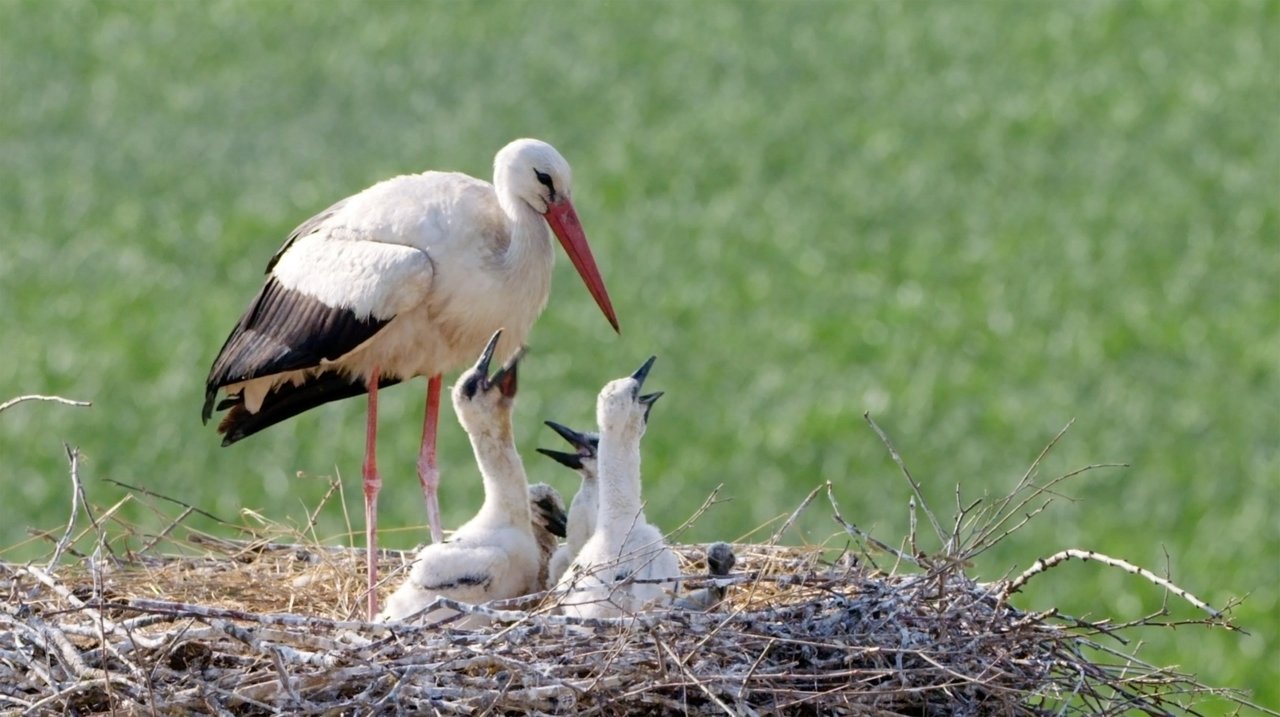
{"x":286,"y":401}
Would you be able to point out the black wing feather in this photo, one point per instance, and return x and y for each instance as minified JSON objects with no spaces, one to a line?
{"x":287,"y":401}
{"x":285,"y":330}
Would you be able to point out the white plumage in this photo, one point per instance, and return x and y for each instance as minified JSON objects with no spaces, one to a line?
{"x":625,"y":566}
{"x":494,"y":555}
{"x":432,"y":254}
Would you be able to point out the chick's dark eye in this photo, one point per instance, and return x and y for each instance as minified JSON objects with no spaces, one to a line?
{"x":545,"y":180}
{"x":472,"y":385}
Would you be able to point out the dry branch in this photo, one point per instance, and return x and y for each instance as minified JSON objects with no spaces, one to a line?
{"x":36,"y":397}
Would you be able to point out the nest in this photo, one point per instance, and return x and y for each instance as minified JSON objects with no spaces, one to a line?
{"x":264,"y":624}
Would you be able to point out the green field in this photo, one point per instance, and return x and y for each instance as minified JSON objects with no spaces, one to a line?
{"x":976,"y":220}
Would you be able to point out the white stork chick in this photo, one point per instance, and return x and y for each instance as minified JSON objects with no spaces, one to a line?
{"x":493,"y":556}
{"x":581,"y":522}
{"x":408,"y":278}
{"x":625,"y":565}
{"x":549,"y":518}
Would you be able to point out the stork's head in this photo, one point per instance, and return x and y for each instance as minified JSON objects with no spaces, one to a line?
{"x":547,"y":508}
{"x":532,"y":172}
{"x":621,"y":408}
{"x":583,"y":458}
{"x":720,"y":559}
{"x":481,"y":400}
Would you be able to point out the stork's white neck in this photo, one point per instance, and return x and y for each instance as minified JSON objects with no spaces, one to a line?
{"x":530,"y":234}
{"x":527,"y":256}
{"x":587,"y":500}
{"x":506,"y":486}
{"x":618,"y":466}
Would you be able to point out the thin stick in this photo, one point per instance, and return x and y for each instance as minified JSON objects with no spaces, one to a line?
{"x":857,"y":532}
{"x":712,"y":499}
{"x":167,"y":531}
{"x":911,"y":526}
{"x":997,"y":517}
{"x":335,"y":485}
{"x":1063,"y":556}
{"x":795,"y":514}
{"x":36,"y":397}
{"x":902,"y":466}
{"x":77,"y":499}
{"x":161,"y":496}
{"x":691,"y":677}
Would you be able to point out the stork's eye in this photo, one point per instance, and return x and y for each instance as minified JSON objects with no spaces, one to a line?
{"x":545,"y":180}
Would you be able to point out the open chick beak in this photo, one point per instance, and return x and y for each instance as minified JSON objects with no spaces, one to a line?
{"x":585,"y":445}
{"x":647,"y":401}
{"x":486,"y":356}
{"x":506,"y":377}
{"x":569,"y":460}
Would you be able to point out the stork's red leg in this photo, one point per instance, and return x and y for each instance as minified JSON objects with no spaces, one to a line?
{"x":372,"y":484}
{"x":428,"y":472}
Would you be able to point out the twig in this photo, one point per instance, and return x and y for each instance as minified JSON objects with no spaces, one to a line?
{"x":915,"y":487}
{"x":77,"y":499}
{"x":35,"y":397}
{"x":996,"y":515}
{"x":1063,"y":556}
{"x":861,"y":534}
{"x":161,"y":496}
{"x":795,"y":514}
{"x":911,"y":526}
{"x":712,"y":499}
{"x":313,"y":516}
{"x":692,"y":677}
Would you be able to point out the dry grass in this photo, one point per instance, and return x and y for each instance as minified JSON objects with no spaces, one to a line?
{"x":181,"y":622}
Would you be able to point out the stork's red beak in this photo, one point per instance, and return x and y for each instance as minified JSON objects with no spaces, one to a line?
{"x":564,"y":222}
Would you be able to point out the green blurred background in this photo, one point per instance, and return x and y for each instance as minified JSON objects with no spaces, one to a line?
{"x":975,"y":220}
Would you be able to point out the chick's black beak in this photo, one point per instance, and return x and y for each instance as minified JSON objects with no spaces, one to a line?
{"x":586,"y":444}
{"x":570,"y":460}
{"x":556,"y":520}
{"x":647,"y":401}
{"x":486,"y":356}
{"x":642,"y":372}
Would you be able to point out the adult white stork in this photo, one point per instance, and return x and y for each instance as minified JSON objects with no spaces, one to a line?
{"x":581,"y":520}
{"x":495,"y":555}
{"x":625,"y":565}
{"x":408,"y":278}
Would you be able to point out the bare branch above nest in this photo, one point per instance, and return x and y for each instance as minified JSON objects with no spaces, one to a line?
{"x":906,"y":473}
{"x":37,"y":397}
{"x":1043,"y":564}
